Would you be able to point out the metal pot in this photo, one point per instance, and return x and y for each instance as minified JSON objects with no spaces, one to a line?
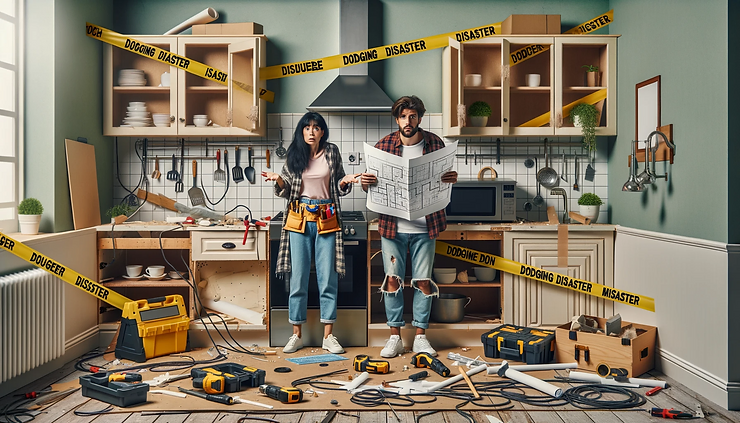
{"x":449,"y":308}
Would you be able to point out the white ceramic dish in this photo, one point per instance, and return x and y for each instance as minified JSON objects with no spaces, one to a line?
{"x":133,"y":278}
{"x":444,"y":275}
{"x":485,"y":274}
{"x":155,"y":278}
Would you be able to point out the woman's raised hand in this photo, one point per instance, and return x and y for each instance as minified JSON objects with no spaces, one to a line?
{"x":270,"y":176}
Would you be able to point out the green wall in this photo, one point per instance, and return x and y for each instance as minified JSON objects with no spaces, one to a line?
{"x":63,"y":99}
{"x":685,"y":42}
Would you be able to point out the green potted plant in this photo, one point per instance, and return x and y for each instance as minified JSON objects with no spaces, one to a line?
{"x":119,"y":213}
{"x":592,"y":75}
{"x":479,"y":113}
{"x":590,"y":204}
{"x":29,"y":215}
{"x":586,"y":117}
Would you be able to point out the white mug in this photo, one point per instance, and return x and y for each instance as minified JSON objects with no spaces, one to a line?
{"x":154,"y":271}
{"x":165,"y":79}
{"x":533,"y":80}
{"x":134,"y":270}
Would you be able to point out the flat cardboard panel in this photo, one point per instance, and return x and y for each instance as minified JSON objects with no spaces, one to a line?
{"x":525,"y":24}
{"x":83,"y":184}
{"x":553,"y":24}
{"x":637,"y":358}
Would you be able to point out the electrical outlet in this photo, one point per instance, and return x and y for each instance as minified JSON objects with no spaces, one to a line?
{"x":352,"y":158}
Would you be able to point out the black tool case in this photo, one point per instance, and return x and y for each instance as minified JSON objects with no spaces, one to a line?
{"x":121,"y":394}
{"x":529,"y":345}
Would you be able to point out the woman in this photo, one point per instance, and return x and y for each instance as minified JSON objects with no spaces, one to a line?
{"x":312,"y":180}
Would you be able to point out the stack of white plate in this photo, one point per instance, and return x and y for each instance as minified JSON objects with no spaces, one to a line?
{"x":137,"y":115}
{"x":131,"y":78}
{"x":161,"y":119}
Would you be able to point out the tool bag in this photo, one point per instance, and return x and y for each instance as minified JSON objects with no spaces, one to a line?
{"x":529,"y":345}
{"x":328,"y":221}
{"x":300,"y":213}
{"x":295,"y":221}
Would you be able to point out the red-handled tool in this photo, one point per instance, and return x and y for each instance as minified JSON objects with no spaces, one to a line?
{"x":246,"y":232}
{"x":653,"y":391}
{"x":670,"y":414}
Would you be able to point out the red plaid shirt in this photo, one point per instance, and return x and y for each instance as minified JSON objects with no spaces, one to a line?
{"x":437,"y":221}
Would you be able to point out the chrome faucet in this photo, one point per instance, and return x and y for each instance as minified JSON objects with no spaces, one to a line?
{"x":560,"y":191}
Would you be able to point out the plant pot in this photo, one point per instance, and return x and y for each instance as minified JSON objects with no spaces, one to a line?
{"x":577,"y":121}
{"x":29,"y":223}
{"x":478,"y":121}
{"x":449,"y":308}
{"x":592,"y":79}
{"x":592,"y":212}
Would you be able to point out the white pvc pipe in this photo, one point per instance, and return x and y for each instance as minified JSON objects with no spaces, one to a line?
{"x":207,"y":15}
{"x":532,"y":382}
{"x":450,"y":381}
{"x":633,"y":382}
{"x":536,"y":367}
{"x":359,"y":380}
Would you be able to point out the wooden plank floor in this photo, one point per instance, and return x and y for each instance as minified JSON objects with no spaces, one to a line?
{"x":676,"y":396}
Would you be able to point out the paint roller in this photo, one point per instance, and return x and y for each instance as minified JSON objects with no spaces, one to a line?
{"x":207,"y":15}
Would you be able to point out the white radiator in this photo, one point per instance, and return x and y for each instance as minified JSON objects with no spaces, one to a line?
{"x":31,"y":321}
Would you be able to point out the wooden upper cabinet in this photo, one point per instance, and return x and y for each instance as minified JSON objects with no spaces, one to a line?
{"x":519,"y":107}
{"x":232,"y":109}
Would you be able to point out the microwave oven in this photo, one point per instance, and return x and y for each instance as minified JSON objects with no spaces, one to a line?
{"x":483,"y":201}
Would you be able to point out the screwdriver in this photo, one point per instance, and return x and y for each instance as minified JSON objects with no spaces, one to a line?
{"x":670,"y":414}
{"x":415,"y":377}
{"x":220,"y":398}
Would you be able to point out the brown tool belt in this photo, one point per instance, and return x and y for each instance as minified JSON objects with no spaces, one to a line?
{"x":300,"y":213}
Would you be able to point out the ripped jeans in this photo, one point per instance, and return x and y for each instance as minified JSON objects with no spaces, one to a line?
{"x":421,"y":249}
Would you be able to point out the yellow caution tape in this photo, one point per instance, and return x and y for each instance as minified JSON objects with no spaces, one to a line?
{"x":62,"y":272}
{"x":532,"y":50}
{"x":181,"y":62}
{"x":378,"y":53}
{"x":544,"y":119}
{"x":505,"y":265}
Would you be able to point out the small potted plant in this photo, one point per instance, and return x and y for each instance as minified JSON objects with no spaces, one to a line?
{"x":586,"y":117}
{"x":590,"y":204}
{"x":119,"y":213}
{"x":29,"y":216}
{"x":592,"y":75}
{"x":479,"y":113}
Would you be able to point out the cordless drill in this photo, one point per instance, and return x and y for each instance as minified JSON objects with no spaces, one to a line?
{"x":423,"y":359}
{"x":285,"y":395}
{"x":363,"y":363}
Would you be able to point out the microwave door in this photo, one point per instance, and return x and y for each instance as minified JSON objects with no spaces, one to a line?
{"x":474,"y":204}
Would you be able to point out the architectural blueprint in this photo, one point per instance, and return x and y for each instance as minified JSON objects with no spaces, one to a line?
{"x":409,"y":188}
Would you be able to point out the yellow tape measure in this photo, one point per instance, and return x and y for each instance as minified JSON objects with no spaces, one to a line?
{"x":62,"y":272}
{"x":505,"y":265}
{"x":378,"y":53}
{"x":181,"y":62}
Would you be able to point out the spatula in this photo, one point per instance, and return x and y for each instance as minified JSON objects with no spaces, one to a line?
{"x":172,"y":175}
{"x":156,"y":174}
{"x":195,"y":193}
{"x":236,"y":172}
{"x":249,"y":170}
{"x":219,"y":175}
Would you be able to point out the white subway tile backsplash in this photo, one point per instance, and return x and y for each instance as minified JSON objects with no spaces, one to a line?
{"x":350,"y":131}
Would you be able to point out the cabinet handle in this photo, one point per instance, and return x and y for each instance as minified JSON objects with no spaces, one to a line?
{"x":228,"y":245}
{"x":182,"y":120}
{"x":172,"y":118}
{"x":506,"y":119}
{"x":505,"y":72}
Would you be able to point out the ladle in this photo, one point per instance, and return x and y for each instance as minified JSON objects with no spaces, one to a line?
{"x":280,"y":151}
{"x":537,"y":200}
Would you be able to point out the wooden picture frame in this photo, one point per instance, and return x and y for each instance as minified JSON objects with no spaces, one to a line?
{"x":647,"y":109}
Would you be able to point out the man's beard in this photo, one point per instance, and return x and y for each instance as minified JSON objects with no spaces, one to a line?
{"x":414,"y":130}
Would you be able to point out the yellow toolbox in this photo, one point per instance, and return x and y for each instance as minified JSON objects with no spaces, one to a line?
{"x":152,"y":328}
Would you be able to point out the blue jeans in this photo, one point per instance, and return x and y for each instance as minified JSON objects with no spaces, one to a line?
{"x":421,"y":249}
{"x":304,"y":247}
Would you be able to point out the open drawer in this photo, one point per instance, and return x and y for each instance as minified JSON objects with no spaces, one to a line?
{"x":229,"y":245}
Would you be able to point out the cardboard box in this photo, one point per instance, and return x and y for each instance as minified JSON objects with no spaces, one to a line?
{"x":636,"y":355}
{"x":239,"y":28}
{"x":531,"y":24}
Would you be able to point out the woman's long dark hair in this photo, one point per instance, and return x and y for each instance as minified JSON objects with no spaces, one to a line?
{"x":299,"y":152}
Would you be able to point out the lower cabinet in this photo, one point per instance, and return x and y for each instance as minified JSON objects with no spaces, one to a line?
{"x":590,"y":257}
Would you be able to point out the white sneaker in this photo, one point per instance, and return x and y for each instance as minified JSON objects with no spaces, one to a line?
{"x":331,"y":344}
{"x":294,"y":344}
{"x":421,"y":344}
{"x":393,"y":347}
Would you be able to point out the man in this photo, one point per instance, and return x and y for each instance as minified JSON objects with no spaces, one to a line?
{"x":415,"y":236}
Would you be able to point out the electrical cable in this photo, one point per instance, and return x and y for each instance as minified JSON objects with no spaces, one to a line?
{"x":264,"y":419}
{"x":309,"y":379}
{"x":77,"y":412}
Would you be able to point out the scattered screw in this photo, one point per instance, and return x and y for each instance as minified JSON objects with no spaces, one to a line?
{"x":334,"y":402}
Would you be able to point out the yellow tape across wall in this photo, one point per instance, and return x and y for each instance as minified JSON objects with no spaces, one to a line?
{"x":528,"y":52}
{"x":62,"y":272}
{"x":378,"y":53}
{"x":505,"y":265}
{"x":181,"y":62}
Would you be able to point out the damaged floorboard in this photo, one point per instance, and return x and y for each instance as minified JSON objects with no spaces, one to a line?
{"x":676,"y":396}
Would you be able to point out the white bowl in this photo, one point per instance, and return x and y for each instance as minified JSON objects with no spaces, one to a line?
{"x":200,"y":116}
{"x":137,"y":103}
{"x":200,"y":122}
{"x":138,"y":114}
{"x":444,"y":275}
{"x":473,"y":80}
{"x":485,"y":274}
{"x":136,"y":109}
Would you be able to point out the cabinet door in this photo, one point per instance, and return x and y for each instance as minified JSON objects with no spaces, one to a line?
{"x":451,"y":83}
{"x":485,"y":58}
{"x":528,"y":302}
{"x":246,"y":109}
{"x":528,"y":107}
{"x":122,"y":88}
{"x":571,"y":54}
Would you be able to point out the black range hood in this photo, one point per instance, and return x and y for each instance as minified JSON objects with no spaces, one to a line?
{"x":353,"y":90}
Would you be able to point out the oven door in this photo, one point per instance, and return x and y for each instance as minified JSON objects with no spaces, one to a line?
{"x":352,"y":287}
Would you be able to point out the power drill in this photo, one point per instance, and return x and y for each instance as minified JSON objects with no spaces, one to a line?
{"x":423,"y":359}
{"x":227,"y":377}
{"x":285,"y":395}
{"x":363,"y":363}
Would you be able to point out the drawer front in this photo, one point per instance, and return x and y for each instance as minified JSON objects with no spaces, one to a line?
{"x":229,"y":246}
